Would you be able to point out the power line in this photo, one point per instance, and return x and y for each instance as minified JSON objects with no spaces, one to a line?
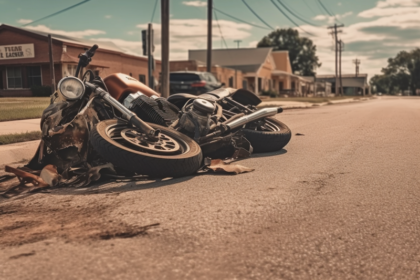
{"x":290,"y":11}
{"x":57,"y":13}
{"x":154,"y":10}
{"x":325,"y":8}
{"x":309,"y":7}
{"x":255,"y":14}
{"x":220,"y":30}
{"x":238,"y":19}
{"x":291,"y":20}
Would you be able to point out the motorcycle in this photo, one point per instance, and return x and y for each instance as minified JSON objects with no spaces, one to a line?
{"x":236,"y":108}
{"x":119,"y":120}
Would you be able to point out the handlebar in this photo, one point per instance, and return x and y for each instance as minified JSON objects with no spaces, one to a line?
{"x":91,"y":52}
{"x":85,"y":58}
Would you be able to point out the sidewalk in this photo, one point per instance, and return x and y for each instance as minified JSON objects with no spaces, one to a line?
{"x":301,"y":105}
{"x":17,"y":152}
{"x":20,"y":126}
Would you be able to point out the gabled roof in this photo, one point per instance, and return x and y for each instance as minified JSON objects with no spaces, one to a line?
{"x":66,"y":39}
{"x":246,"y":59}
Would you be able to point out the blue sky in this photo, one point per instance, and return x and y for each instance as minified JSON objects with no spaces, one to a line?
{"x":374,"y":30}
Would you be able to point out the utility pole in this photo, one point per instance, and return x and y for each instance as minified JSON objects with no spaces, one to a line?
{"x":209,"y":32}
{"x":357,"y":63}
{"x":334,"y":32}
{"x":341,"y":49}
{"x":51,"y":63}
{"x":237,"y":42}
{"x":150,"y":55}
{"x":164,"y":4}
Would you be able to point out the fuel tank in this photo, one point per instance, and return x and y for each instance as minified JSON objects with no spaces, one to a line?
{"x":121,"y":85}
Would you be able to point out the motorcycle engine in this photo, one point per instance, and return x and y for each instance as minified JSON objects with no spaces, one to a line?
{"x":196,"y":118}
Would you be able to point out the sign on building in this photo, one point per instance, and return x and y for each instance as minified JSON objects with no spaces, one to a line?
{"x":17,"y":51}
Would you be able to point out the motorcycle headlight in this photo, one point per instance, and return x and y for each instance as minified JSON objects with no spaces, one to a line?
{"x":71,"y":88}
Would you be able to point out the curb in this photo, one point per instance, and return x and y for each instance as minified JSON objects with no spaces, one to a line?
{"x":306,"y":105}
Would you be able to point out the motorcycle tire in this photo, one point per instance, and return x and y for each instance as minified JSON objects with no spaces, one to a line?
{"x":107,"y":139}
{"x":273,"y":139}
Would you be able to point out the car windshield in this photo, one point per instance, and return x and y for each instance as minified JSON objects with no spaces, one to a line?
{"x":184,"y":77}
{"x":210,"y":78}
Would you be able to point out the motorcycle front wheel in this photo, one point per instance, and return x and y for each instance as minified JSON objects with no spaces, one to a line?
{"x":172,"y":155}
{"x":272,"y":136}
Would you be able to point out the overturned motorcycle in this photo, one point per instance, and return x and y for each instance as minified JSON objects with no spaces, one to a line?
{"x":120,"y":124}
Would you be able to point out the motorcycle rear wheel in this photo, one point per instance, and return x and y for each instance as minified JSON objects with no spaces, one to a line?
{"x":274,"y":137}
{"x":174,"y":155}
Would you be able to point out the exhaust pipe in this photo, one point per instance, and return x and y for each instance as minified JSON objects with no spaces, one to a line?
{"x":263,"y":113}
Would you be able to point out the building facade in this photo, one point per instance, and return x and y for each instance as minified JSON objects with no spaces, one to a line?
{"x":24,"y":60}
{"x":352,"y":85}
{"x":257,"y":69}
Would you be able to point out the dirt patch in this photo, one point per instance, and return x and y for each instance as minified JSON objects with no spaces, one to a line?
{"x":29,"y":223}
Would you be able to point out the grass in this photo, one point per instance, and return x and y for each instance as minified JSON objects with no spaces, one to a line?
{"x":21,"y":108}
{"x":307,"y":99}
{"x":19,"y":137}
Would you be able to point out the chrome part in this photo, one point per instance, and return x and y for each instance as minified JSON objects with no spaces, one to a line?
{"x":127,"y":114}
{"x":130,"y":138}
{"x":128,"y":101}
{"x":164,"y":144}
{"x":71,"y":88}
{"x":263,"y":113}
{"x":203,"y":106}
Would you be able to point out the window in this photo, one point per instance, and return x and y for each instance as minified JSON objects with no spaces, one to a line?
{"x":245,"y":84}
{"x":34,"y":76}
{"x":231,"y":82}
{"x":281,"y":86}
{"x":71,"y":69}
{"x":142,"y":78}
{"x":14,"y":78}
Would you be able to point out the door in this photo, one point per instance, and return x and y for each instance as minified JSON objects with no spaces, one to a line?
{"x":1,"y":79}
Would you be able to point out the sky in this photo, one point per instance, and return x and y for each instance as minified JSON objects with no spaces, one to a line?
{"x":373,"y":30}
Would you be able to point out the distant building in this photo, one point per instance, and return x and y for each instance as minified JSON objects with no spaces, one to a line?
{"x":24,"y":60}
{"x":352,"y":84}
{"x":257,"y":69}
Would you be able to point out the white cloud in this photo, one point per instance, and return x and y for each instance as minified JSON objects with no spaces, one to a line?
{"x":331,"y":19}
{"x":253,"y":44}
{"x":195,"y":3}
{"x":108,"y":16}
{"x":24,"y":21}
{"x":77,"y":34}
{"x":391,"y":7}
{"x":188,"y":34}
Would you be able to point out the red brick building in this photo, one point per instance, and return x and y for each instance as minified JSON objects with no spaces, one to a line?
{"x":24,"y":60}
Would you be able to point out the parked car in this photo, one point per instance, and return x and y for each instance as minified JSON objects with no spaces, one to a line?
{"x":193,"y":82}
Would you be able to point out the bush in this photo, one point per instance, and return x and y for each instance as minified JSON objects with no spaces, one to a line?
{"x":41,"y":91}
{"x":270,"y":93}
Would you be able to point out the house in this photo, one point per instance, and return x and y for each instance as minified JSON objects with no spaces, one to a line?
{"x":257,"y":69}
{"x":24,"y":60}
{"x":352,"y":84}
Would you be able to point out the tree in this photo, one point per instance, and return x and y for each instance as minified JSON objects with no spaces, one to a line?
{"x":402,"y":73}
{"x":302,"y":51}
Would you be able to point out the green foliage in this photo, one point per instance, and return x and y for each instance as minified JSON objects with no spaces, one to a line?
{"x":20,"y":137}
{"x":302,"y":51}
{"x":402,"y":73}
{"x":270,"y":93}
{"x":41,"y":91}
{"x":20,"y":108}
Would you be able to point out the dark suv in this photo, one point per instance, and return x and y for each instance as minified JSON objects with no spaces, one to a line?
{"x":193,"y":82}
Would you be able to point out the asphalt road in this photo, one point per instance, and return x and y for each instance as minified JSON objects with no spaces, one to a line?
{"x":342,"y":201}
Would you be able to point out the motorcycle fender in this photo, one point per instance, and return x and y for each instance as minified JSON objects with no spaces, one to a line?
{"x":246,"y":97}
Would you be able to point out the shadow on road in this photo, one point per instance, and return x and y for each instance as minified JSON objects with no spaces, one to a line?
{"x":105,"y":186}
